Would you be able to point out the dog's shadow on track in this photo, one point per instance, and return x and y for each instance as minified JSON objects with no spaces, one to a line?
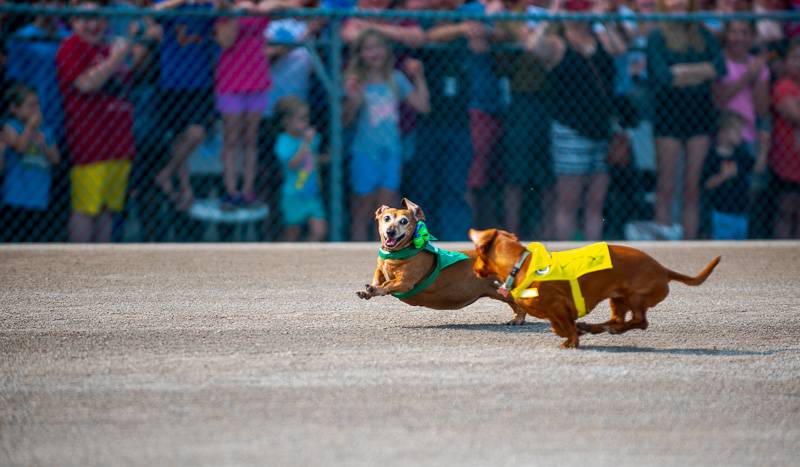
{"x":497,"y":327}
{"x":698,"y":352}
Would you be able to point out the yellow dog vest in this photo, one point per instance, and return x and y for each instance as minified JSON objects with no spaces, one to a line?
{"x":563,"y":266}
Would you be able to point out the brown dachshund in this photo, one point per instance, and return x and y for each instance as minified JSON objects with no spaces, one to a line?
{"x":404,"y":268}
{"x":635,"y":282}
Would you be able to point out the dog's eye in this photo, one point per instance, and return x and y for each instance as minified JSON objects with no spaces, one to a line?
{"x":403,"y":221}
{"x":386,"y":218}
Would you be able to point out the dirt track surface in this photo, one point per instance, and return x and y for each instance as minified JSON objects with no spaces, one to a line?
{"x":263,"y":355}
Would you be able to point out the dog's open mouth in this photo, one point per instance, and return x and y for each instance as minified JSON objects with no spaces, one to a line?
{"x":393,"y":242}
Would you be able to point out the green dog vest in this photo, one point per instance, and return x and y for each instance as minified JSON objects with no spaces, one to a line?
{"x":444,"y":258}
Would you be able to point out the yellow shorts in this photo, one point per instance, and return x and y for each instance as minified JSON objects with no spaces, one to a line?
{"x":100,"y":185}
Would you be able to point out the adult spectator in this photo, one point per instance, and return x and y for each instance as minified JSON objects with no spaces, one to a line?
{"x":99,"y":124}
{"x":683,"y":59}
{"x":242,"y":83}
{"x":437,"y":172}
{"x":784,"y":158}
{"x":581,"y":67}
{"x":526,"y":163}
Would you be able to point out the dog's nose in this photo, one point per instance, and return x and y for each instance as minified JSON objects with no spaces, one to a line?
{"x":390,"y":232}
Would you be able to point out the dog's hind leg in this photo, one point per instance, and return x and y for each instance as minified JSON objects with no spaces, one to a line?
{"x":639,"y":306}
{"x":638,"y":321}
{"x":619,"y":309}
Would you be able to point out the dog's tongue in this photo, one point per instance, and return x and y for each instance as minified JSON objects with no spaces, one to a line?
{"x":391,"y":242}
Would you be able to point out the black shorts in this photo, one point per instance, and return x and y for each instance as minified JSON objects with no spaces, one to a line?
{"x":182,"y":109}
{"x":781,"y":185}
{"x":526,"y":143}
{"x":682,"y":117}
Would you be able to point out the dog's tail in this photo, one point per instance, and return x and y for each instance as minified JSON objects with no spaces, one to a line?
{"x":697,"y":280}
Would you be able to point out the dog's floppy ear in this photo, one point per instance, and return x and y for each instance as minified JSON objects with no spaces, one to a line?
{"x":416,"y":210}
{"x":380,"y":210}
{"x":482,"y":238}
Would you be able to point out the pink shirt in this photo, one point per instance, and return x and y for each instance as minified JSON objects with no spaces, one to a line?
{"x":744,"y":102}
{"x":243,"y":67}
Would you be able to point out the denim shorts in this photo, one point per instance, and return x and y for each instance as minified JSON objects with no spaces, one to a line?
{"x":297,"y":210}
{"x":371,"y":172}
{"x":233,"y":103}
{"x":728,"y":226}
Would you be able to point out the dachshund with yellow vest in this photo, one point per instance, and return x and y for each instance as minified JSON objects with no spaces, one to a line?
{"x":564,"y":286}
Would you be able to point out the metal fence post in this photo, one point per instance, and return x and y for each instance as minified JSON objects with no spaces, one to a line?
{"x":337,"y":156}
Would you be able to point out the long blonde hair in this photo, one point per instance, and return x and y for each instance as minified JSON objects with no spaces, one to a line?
{"x":358,"y":69}
{"x":680,"y":36}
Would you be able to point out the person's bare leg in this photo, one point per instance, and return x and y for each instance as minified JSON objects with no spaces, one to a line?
{"x":595,"y":200}
{"x":182,"y":147}
{"x":104,"y":224}
{"x":80,"y":227}
{"x":292,"y":233}
{"x":361,"y":211}
{"x":786,"y":218}
{"x":384,"y":196}
{"x":512,"y":205}
{"x":547,"y":201}
{"x":696,"y":150}
{"x":251,"y":123}
{"x":193,"y":137}
{"x":795,"y":209}
{"x":231,"y":143}
{"x":667,"y":154}
{"x":318,"y":230}
{"x":570,"y":188}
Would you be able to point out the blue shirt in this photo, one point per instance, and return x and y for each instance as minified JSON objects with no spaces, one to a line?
{"x":484,"y":83}
{"x":303,"y":179}
{"x":378,"y":128}
{"x":191,"y":66}
{"x":27,"y":175}
{"x":32,"y":60}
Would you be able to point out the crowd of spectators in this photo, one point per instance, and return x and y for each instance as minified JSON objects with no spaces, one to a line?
{"x":551,"y":129}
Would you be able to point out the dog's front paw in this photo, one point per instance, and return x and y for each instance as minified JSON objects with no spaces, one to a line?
{"x":364,"y":295}
{"x":368,"y":293}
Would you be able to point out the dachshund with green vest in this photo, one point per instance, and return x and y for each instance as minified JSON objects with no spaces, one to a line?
{"x":419,"y":273}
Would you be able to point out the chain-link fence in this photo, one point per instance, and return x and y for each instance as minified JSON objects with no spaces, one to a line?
{"x":192,"y":121}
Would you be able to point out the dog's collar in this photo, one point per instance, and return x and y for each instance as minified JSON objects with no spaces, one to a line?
{"x":421,"y":241}
{"x":508,"y":284}
{"x":405,"y":253}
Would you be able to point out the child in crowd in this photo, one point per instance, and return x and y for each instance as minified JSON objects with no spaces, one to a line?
{"x":784,"y":157}
{"x":242,"y":84}
{"x":30,"y":154}
{"x":94,"y":78}
{"x":297,"y":149}
{"x":374,"y":90}
{"x":726,"y":179}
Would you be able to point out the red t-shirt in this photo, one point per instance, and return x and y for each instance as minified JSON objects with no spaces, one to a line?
{"x":784,"y":157}
{"x":99,"y":125}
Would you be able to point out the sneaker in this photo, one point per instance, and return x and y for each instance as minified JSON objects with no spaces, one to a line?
{"x":649,"y":231}
{"x":231,"y":202}
{"x":671,"y":232}
{"x":251,"y":200}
